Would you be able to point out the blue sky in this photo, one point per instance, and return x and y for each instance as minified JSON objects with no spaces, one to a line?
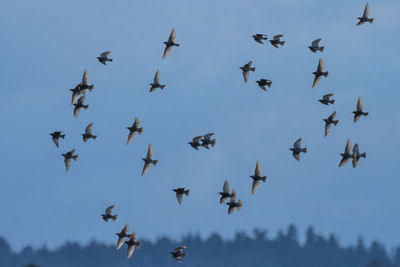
{"x":46,"y":46}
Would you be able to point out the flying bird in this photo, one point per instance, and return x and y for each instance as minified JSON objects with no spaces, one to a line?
{"x":246,"y":69}
{"x":257,"y":178}
{"x":170,"y":43}
{"x":121,"y":236}
{"x":180,"y":192}
{"x":79,"y":105}
{"x":148,"y":160}
{"x":329,"y":121}
{"x":132,"y":244}
{"x":76,"y":91}
{"x":365,"y":16}
{"x":178,"y":253}
{"x":297,"y":149}
{"x":357,"y":155}
{"x":277,"y":40}
{"x":206,"y":140}
{"x":67,"y":158}
{"x":225,"y":194}
{"x":326,"y":99}
{"x":319,"y":73}
{"x":156,"y":84}
{"x":346,"y":155}
{"x":264,"y":82}
{"x":314,"y":46}
{"x":56,"y":136}
{"x":103,"y":58}
{"x":259,"y":38}
{"x":195,"y":143}
{"x":108,"y":214}
{"x":233,"y":204}
{"x":85,"y":82}
{"x":88,"y":133}
{"x":133,"y":129}
{"x":360,"y":110}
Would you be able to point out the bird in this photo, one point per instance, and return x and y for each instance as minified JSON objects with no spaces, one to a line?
{"x":319,"y":72}
{"x":365,"y":16}
{"x":178,"y":253}
{"x":259,"y":37}
{"x":108,"y":214}
{"x":225,"y":194}
{"x":257,"y":178}
{"x":206,"y":140}
{"x":297,"y":149}
{"x":133,"y":129}
{"x":121,"y":236}
{"x":314,"y":46}
{"x":277,"y":40}
{"x":156,"y":84}
{"x":357,"y":155}
{"x":170,"y":43}
{"x":246,"y":69}
{"x":326,"y":101}
{"x":329,"y":121}
{"x":132,"y":244}
{"x":180,"y":192}
{"x":360,"y":110}
{"x":233,"y":204}
{"x":264,"y":82}
{"x":195,"y":143}
{"x":88,"y":133}
{"x":85,"y":82}
{"x":76,"y":91}
{"x":79,"y":105}
{"x":347,"y":154}
{"x":67,"y":158}
{"x":56,"y":136}
{"x":148,"y":160}
{"x":103,"y":58}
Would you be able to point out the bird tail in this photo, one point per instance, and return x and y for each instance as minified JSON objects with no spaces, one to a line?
{"x":114,"y":217}
{"x":110,"y":59}
{"x":91,"y":87}
{"x":335,"y":122}
{"x":371,"y":20}
{"x":363,"y":155}
{"x":253,"y":69}
{"x":264,"y":179}
{"x":62,"y":136}
{"x":282,"y":43}
{"x":162,"y":86}
{"x":94,"y":137}
{"x":140,"y":130}
{"x":304,"y":150}
{"x":322,"y":49}
{"x":332,"y":101}
{"x":75,"y":158}
{"x":213,"y":142}
{"x":138,"y":244}
{"x":326,"y":74}
{"x":365,"y":114}
{"x":155,"y":162}
{"x":184,"y":254}
{"x":85,"y":106}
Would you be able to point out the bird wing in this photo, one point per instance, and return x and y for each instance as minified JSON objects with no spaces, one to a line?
{"x":356,"y":150}
{"x":226,"y":187}
{"x":327,"y":96}
{"x":76,"y":112}
{"x":258,"y":170}
{"x":172,"y":36}
{"x":366,"y":11}
{"x":315,"y":42}
{"x":88,"y":129}
{"x":74,"y":97}
{"x":277,"y":37}
{"x":248,"y":65}
{"x":316,"y":81}
{"x":360,"y":104}
{"x":256,"y":185}
{"x":136,"y":123}
{"x":67,"y":162}
{"x":332,"y":116}
{"x":321,"y":65}
{"x":120,"y":242}
{"x":150,"y":152}
{"x":231,"y":209}
{"x":105,"y":54}
{"x":343,"y":161}
{"x":109,"y":209}
{"x":233,"y":196}
{"x":327,"y":128}
{"x":81,"y":100}
{"x":85,"y":78}
{"x":197,"y":139}
{"x":179,"y":249}
{"x":133,"y":236}
{"x":245,"y":75}
{"x":297,"y":144}
{"x":157,"y":77}
{"x":179,"y":197}
{"x":146,"y":167}
{"x":208,"y":136}
{"x":131,"y":136}
{"x":167,"y":50}
{"x":55,"y":140}
{"x":131,"y":249}
{"x":296,"y":156}
{"x":125,"y":229}
{"x":347,"y":148}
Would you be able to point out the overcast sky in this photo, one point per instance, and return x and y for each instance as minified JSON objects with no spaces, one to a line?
{"x":47,"y":45}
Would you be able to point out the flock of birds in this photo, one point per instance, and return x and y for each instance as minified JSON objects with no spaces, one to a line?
{"x":206,"y":140}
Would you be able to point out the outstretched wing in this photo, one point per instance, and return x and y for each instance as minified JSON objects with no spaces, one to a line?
{"x":179,"y":197}
{"x":150,"y":152}
{"x":297,"y":144}
{"x":109,"y":209}
{"x":85,"y":78}
{"x":328,"y":127}
{"x":347,"y":148}
{"x":197,"y":139}
{"x":125,"y":229}
{"x":343,"y":161}
{"x":245,"y":75}
{"x":360,"y":104}
{"x":146,"y":168}
{"x":208,"y":136}
{"x":136,"y":123}
{"x":167,"y":50}
{"x":321,"y":65}
{"x":81,"y":100}
{"x":258,"y":170}
{"x":67,"y":162}
{"x":131,"y":249}
{"x":88,"y":129}
{"x":226,"y":188}
{"x":366,"y":11}
{"x":157,"y":77}
{"x":105,"y":54}
{"x":332,"y":116}
{"x":356,"y":150}
{"x":315,"y":42}
{"x":256,"y":185}
{"x":296,"y":156}
{"x":172,"y":36}
{"x":131,"y":137}
{"x":179,"y":249}
{"x":277,"y":37}
{"x":316,"y":81}
{"x":327,"y":96}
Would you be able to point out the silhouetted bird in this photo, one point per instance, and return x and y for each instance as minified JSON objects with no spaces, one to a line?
{"x":346,"y":155}
{"x":156,"y":84}
{"x":132,"y":244}
{"x":75,"y":93}
{"x":233,"y":204}
{"x":67,"y":158}
{"x":365,"y":16}
{"x":121,"y":236}
{"x":360,"y":110}
{"x":319,"y":73}
{"x":257,"y":178}
{"x":264,"y":82}
{"x":246,"y":69}
{"x":297,"y":149}
{"x":133,"y":129}
{"x":79,"y":105}
{"x":225,"y":194}
{"x":195,"y":143}
{"x":170,"y":43}
{"x":259,"y":37}
{"x":357,"y":155}
{"x":88,"y":133}
{"x":206,"y":140}
{"x":314,"y":46}
{"x":325,"y":100}
{"x":329,"y":121}
{"x":180,"y":192}
{"x":149,"y":160}
{"x":178,"y":253}
{"x":277,"y":40}
{"x":85,"y":82}
{"x":108,"y":214}
{"x":56,"y":136}
{"x":103,"y":58}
